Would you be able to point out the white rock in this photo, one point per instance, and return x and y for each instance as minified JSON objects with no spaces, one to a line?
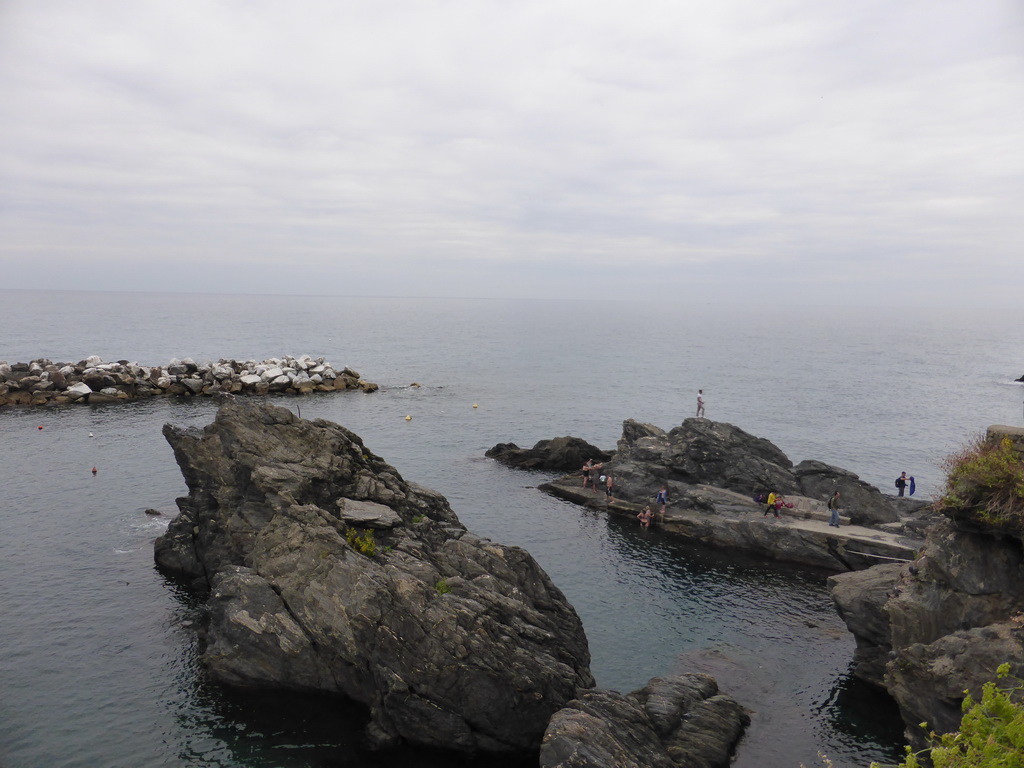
{"x":67,"y":370}
{"x":163,"y":382}
{"x":221,"y":372}
{"x":272,"y":373}
{"x":251,"y":380}
{"x":110,"y":391}
{"x":79,"y":390}
{"x":92,"y":361}
{"x":281,"y":381}
{"x":316,"y":378}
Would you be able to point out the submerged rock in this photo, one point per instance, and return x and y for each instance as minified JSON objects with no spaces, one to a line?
{"x":327,"y":571}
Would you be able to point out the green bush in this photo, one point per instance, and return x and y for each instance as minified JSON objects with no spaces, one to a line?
{"x":442,"y":587}
{"x":991,"y":732}
{"x":985,"y":485}
{"x":364,"y":544}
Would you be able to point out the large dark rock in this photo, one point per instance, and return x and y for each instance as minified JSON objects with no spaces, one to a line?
{"x":941,"y":625}
{"x":560,"y":454}
{"x":860,"y":598}
{"x":704,"y":452}
{"x":450,"y":640}
{"x":672,"y":721}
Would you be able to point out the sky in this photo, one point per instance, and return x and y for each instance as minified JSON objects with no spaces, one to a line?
{"x":859,"y":152}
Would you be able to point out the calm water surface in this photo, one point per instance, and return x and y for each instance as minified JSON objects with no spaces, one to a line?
{"x":97,"y":650}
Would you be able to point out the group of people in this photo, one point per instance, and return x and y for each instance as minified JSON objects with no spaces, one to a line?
{"x":646,"y":514}
{"x":592,"y":470}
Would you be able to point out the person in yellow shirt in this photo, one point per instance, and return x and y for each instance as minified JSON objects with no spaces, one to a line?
{"x":771,"y":506}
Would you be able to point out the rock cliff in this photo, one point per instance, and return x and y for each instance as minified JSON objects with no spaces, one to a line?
{"x":327,"y":571}
{"x":929,"y":630}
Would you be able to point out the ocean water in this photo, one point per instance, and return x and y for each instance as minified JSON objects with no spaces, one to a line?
{"x":98,"y":660}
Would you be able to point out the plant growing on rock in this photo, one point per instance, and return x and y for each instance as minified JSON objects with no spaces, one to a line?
{"x":442,"y":587}
{"x":991,"y":732}
{"x":985,"y":485}
{"x":364,"y":544}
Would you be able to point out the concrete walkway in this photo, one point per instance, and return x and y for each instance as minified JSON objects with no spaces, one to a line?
{"x":730,"y":520}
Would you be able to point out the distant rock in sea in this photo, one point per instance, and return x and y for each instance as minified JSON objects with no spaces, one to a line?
{"x":92,"y":381}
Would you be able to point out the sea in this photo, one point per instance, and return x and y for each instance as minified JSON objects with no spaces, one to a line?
{"x":98,"y":652}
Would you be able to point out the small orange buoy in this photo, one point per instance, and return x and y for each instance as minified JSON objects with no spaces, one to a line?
{"x":40,"y":426}
{"x":94,"y":470}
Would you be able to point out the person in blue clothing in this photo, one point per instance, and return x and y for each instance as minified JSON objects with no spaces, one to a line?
{"x":662,"y":498}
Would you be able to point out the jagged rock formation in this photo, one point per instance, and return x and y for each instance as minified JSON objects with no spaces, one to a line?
{"x":701,"y":452}
{"x":673,"y":721}
{"x":93,"y":381}
{"x":713,"y":471}
{"x":560,"y":454}
{"x":929,"y":630}
{"x":327,"y":571}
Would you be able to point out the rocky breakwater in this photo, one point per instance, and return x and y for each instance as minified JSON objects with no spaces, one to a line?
{"x":931,"y":629}
{"x":713,"y":471}
{"x":327,"y":571}
{"x":42,"y":382}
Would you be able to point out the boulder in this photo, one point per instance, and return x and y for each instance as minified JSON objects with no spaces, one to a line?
{"x":561,"y":454}
{"x":81,"y":389}
{"x":329,"y":572}
{"x":672,"y":721}
{"x":859,"y":598}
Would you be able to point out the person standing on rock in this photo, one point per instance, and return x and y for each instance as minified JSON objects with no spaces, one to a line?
{"x":609,"y":488}
{"x":700,"y":403}
{"x":662,"y":499}
{"x":587,"y":467}
{"x":901,"y":483}
{"x":771,"y":506}
{"x":833,"y":506}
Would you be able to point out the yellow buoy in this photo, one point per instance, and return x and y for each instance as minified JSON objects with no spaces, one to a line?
{"x":408,"y":418}
{"x":474,"y":405}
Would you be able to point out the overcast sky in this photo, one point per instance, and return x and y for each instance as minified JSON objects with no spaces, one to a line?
{"x":865,"y":151}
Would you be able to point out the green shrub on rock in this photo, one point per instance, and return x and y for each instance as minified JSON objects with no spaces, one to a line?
{"x":364,"y":544}
{"x":991,"y":732}
{"x":985,"y":486}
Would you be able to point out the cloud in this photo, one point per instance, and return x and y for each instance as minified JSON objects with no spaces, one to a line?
{"x":455,"y":148}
